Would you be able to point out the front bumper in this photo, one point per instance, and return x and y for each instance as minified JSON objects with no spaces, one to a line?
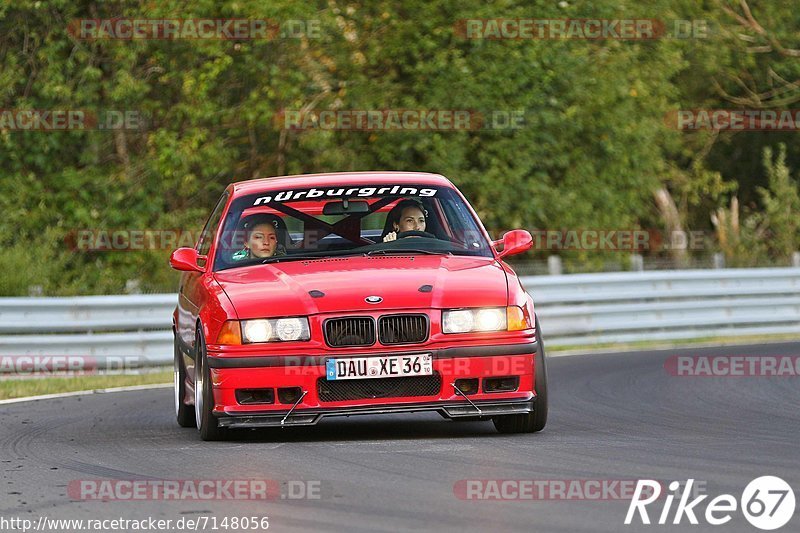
{"x":229,"y":374}
{"x":309,"y":417}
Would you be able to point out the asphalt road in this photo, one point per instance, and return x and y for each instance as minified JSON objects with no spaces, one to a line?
{"x":612,"y":417}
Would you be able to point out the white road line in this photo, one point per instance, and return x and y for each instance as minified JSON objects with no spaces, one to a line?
{"x":662,"y":347}
{"x":85,"y":393}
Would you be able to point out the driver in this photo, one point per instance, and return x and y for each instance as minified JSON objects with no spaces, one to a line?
{"x":410,"y":216}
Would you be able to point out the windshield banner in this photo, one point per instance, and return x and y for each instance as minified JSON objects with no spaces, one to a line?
{"x":343,"y":192}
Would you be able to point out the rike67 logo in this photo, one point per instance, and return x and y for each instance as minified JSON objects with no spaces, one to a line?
{"x":767,"y":503}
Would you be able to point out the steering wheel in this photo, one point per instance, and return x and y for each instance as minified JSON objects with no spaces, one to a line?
{"x":403,"y":234}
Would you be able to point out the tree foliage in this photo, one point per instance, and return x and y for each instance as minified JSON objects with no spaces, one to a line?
{"x":593,"y":152}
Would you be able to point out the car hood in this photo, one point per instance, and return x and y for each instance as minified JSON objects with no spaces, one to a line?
{"x":282,"y":289}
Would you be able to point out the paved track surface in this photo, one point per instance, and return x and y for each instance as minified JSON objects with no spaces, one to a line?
{"x":612,"y":416}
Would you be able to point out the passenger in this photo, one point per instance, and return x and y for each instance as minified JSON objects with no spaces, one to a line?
{"x":261,"y":239}
{"x":407,"y":215}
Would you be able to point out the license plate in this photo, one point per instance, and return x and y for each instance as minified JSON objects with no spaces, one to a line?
{"x":379,"y":367}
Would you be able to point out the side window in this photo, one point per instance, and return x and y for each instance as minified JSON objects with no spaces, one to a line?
{"x":207,"y":235}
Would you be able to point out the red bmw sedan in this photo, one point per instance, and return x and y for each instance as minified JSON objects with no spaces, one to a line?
{"x":353,"y":293}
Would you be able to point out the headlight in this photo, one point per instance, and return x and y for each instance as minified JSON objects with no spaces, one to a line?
{"x":256,"y":330}
{"x":490,"y":320}
{"x":275,"y":330}
{"x":458,"y":321}
{"x":466,"y":320}
{"x":291,"y":329}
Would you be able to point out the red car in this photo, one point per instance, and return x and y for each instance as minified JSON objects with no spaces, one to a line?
{"x":353,"y":293}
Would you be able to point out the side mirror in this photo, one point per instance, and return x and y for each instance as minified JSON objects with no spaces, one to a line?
{"x":515,"y":242}
{"x":185,"y":259}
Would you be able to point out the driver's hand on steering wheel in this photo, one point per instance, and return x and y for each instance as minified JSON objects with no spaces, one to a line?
{"x":390,"y":237}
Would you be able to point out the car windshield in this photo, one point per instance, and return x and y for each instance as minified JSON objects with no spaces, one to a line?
{"x":312,"y":223}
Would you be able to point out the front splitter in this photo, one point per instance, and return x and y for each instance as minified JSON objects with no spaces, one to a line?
{"x":309,"y":417}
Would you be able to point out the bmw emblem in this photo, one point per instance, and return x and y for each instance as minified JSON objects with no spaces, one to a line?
{"x":373,"y":299}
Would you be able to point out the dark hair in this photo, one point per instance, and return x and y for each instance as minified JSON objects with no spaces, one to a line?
{"x":256,"y":220}
{"x":402,"y":205}
{"x":397,"y":211}
{"x":249,"y":223}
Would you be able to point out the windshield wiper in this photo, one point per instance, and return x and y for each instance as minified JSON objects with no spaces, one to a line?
{"x":402,"y":251}
{"x":399,"y":251}
{"x":280,"y":258}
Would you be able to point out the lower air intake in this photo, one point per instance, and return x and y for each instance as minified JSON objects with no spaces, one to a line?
{"x":361,"y":389}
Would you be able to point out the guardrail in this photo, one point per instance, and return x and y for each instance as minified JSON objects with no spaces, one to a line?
{"x":580,"y":310}
{"x":135,"y":329}
{"x":623,"y":307}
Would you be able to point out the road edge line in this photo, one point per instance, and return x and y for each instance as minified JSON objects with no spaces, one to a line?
{"x":84,"y":393}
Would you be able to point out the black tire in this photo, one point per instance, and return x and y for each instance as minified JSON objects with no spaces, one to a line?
{"x":535,"y":421}
{"x":183,"y":413}
{"x":203,"y":394}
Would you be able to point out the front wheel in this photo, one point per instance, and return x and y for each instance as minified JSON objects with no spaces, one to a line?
{"x":183,"y":413}
{"x":535,"y":421}
{"x":204,"y":394}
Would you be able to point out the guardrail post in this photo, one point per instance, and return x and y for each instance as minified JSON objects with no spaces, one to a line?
{"x":719,"y":260}
{"x":554,"y":265}
{"x":637,"y":263}
{"x":132,"y":286}
{"x":35,"y":290}
{"x":796,"y":259}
